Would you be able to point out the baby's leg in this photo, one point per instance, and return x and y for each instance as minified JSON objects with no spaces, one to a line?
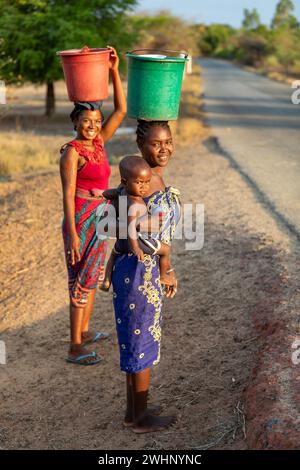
{"x":167,"y":273}
{"x":105,"y":284}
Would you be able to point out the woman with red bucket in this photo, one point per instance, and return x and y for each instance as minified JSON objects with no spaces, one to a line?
{"x":85,"y":174}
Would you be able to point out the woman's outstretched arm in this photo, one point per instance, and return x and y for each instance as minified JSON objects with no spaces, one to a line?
{"x":115,"y":119}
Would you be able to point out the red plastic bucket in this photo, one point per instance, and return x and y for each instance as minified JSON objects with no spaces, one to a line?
{"x":86,"y":73}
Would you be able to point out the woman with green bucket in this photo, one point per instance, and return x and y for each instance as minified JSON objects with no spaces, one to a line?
{"x":84,"y":174}
{"x":137,"y":291}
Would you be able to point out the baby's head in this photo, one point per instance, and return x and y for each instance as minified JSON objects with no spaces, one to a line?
{"x":135,"y":175}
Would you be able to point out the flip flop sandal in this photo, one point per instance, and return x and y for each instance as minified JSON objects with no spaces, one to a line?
{"x":98,"y":336}
{"x":80,"y":359}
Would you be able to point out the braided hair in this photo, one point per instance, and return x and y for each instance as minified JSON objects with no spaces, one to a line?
{"x":143,"y":128}
{"x":80,"y":106}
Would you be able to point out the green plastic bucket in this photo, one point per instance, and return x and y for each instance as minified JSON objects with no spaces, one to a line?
{"x":154,"y":84}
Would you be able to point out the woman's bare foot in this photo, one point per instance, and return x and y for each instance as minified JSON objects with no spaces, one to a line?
{"x":154,"y":410}
{"x":150,"y":423}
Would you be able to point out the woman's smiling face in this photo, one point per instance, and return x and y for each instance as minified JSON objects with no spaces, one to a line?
{"x":88,"y":124}
{"x":157,"y":147}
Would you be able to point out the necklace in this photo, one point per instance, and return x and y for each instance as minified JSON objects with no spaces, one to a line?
{"x":95,"y":156}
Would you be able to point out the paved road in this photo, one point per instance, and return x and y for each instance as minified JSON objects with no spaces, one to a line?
{"x":259,"y":127}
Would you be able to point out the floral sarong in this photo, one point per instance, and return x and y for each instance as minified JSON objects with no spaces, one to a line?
{"x":84,"y":275}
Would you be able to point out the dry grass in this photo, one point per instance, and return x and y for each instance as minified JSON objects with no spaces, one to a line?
{"x":22,"y":152}
{"x":277,"y":73}
{"x":22,"y":149}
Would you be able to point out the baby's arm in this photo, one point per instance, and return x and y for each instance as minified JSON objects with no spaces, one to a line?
{"x":111,"y":193}
{"x":135,"y":210}
{"x":134,"y":242}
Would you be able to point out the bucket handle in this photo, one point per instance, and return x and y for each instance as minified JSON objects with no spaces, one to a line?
{"x":160,"y":50}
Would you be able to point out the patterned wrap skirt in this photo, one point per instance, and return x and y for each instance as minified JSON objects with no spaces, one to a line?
{"x":137,"y":300}
{"x":83,"y":276}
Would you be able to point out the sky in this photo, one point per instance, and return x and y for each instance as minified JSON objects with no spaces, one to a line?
{"x":215,"y":11}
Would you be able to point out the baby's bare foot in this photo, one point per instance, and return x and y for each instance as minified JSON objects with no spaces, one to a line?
{"x":105,"y":285}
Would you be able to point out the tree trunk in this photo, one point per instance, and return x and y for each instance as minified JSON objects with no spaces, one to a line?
{"x":50,"y":99}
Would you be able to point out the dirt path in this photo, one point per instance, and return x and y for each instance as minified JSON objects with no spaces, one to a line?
{"x":210,"y":344}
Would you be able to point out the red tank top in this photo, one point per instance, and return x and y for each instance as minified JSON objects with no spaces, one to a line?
{"x":96,"y":171}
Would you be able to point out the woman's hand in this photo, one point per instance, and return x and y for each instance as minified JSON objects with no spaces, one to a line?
{"x":113,"y":59}
{"x":96,"y":192}
{"x":171,"y":290}
{"x":74,"y":248}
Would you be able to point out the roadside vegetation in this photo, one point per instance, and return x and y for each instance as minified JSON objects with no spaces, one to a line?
{"x":271,"y":48}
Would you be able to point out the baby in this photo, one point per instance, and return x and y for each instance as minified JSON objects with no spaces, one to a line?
{"x":135,"y":183}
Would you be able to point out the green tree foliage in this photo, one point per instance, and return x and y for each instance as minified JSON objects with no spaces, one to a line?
{"x":286,"y":44}
{"x":286,"y":35}
{"x":252,"y":48}
{"x":283,"y":17}
{"x":164,"y":31}
{"x":251,"y":19}
{"x":217,"y":40}
{"x":31,"y":31}
{"x":256,"y":44}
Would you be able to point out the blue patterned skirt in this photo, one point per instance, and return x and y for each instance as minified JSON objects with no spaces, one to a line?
{"x":138,"y":311}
